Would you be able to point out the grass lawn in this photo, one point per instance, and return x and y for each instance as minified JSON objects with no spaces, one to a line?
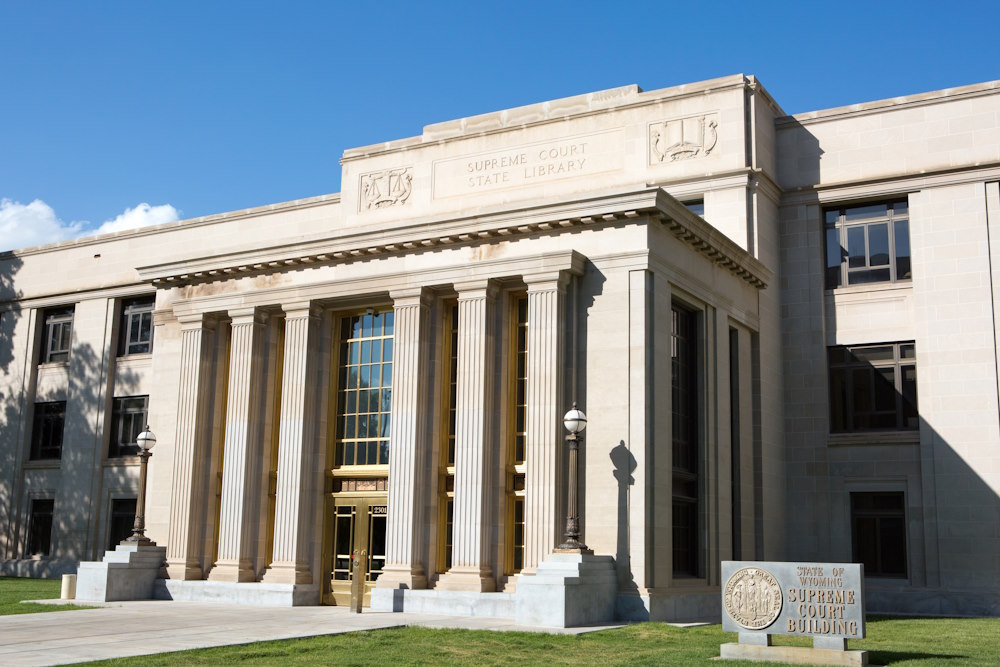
{"x":891,"y":641}
{"x":15,"y":589}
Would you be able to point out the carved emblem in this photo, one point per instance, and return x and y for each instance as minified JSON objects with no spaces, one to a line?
{"x":380,"y":189}
{"x":683,"y":138}
{"x":752,"y":598}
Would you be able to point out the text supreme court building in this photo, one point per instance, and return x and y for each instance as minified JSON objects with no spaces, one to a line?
{"x":782,"y":329}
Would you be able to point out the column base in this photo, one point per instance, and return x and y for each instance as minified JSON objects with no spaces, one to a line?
{"x":287,"y":573}
{"x":479,"y":580}
{"x":402,"y":576}
{"x":190,"y":571}
{"x":231,"y":571}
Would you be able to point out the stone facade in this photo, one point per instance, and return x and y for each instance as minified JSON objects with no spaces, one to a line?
{"x":384,"y":370}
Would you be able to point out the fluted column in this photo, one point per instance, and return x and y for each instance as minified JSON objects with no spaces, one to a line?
{"x":191,"y":445}
{"x":543,"y":487}
{"x":407,"y":441}
{"x":296,"y":447}
{"x":242,"y":450}
{"x":470,"y":569}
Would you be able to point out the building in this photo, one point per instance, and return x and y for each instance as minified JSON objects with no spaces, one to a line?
{"x":738,"y":298}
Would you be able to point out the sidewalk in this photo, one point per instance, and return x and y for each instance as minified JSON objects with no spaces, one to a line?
{"x":153,"y":626}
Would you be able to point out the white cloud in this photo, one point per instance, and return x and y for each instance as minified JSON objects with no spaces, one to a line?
{"x":142,"y":215}
{"x":26,"y":225}
{"x":23,"y":225}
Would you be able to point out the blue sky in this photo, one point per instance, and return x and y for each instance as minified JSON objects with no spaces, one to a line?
{"x":117,"y":114}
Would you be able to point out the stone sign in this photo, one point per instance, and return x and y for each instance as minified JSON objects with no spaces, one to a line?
{"x":793,"y":598}
{"x":530,"y":164}
{"x":824,"y":601}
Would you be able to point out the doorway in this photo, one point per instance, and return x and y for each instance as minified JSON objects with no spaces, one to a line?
{"x":354,"y":525}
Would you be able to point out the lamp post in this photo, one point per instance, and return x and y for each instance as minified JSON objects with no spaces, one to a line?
{"x":145,"y":440}
{"x":574,"y":421}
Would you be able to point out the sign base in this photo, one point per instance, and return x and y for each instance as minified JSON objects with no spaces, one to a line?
{"x":796,"y":655}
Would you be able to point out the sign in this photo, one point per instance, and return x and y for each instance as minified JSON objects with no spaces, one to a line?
{"x":805,"y":599}
{"x":530,"y":164}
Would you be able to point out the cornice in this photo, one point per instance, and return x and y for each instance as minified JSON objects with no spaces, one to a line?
{"x":281,"y":207}
{"x":890,"y":185}
{"x":609,"y":209}
{"x":545,"y":113}
{"x":890,"y":104}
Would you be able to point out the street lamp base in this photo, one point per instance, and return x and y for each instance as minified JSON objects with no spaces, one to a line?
{"x":572,"y":546}
{"x":140,"y":540}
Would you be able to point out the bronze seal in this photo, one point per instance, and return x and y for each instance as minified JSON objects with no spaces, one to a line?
{"x":752,"y":598}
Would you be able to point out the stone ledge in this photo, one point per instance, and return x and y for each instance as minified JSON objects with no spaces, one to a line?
{"x":796,"y":655}
{"x":247,"y":593}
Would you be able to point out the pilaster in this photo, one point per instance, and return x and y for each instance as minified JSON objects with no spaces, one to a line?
{"x":187,"y":486}
{"x":296,"y":447}
{"x":470,"y":568}
{"x":543,"y":421}
{"x":407,"y":441}
{"x":242,"y":449}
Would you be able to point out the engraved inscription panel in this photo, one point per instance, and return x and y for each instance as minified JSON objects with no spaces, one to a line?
{"x":530,"y":164}
{"x":683,"y":138}
{"x":752,"y":598}
{"x":389,"y":187}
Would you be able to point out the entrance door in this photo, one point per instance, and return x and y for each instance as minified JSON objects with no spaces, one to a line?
{"x":355,"y":525}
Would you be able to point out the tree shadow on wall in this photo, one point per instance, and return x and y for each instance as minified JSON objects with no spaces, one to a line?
{"x":76,"y":479}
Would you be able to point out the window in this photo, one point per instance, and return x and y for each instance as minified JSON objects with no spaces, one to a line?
{"x":127,"y":421}
{"x":122,"y":521}
{"x":365,"y":390}
{"x":696,"y":206}
{"x":684,"y":399}
{"x":40,"y":527}
{"x":878,"y":533}
{"x":516,"y":447}
{"x":873,"y":388}
{"x":58,"y":335}
{"x":136,"y":332}
{"x":867,"y":244}
{"x":47,"y":430}
{"x":446,"y":483}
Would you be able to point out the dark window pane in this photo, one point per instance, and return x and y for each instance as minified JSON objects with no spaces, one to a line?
{"x":864,"y":212}
{"x":834,"y":258}
{"x":122,"y":521}
{"x":856,"y":251}
{"x":878,"y":245}
{"x":901,"y":237}
{"x":868,"y":276}
{"x":873,"y":354}
{"x":40,"y":527}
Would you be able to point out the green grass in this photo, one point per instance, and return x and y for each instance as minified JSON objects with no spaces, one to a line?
{"x":891,"y":641}
{"x":15,"y":589}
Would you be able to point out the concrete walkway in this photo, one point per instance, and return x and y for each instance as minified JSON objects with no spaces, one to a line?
{"x":140,"y":628}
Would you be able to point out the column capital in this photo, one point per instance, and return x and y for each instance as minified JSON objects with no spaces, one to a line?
{"x":300,"y":309}
{"x":411,"y":296}
{"x":476,"y":289}
{"x":193,"y":321}
{"x":547,"y":281}
{"x":247,"y":315}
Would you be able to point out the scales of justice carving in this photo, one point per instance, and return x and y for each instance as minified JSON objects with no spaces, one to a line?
{"x":752,"y":598}
{"x":381,"y":189}
{"x":683,"y":138}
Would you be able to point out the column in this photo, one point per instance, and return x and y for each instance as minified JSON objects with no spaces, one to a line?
{"x":191,"y":447}
{"x":242,"y":449}
{"x":544,"y":444}
{"x":474,"y":444}
{"x":408,"y":441}
{"x":297,"y":451}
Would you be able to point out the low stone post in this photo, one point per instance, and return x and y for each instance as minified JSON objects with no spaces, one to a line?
{"x":357,"y":580}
